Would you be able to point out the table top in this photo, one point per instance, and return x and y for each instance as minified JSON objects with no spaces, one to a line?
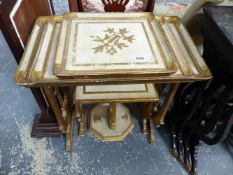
{"x":111,"y":44}
{"x":37,"y":64}
{"x":116,"y":93}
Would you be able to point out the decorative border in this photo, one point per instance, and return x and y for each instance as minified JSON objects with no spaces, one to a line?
{"x":104,"y":64}
{"x":27,"y":76}
{"x":24,"y":77}
{"x":110,"y":138}
{"x":60,"y":61}
{"x":101,"y":92}
{"x":119,"y":100}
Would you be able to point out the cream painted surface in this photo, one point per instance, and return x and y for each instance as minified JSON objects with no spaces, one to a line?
{"x":183,"y":48}
{"x":174,"y":37}
{"x":180,"y":57}
{"x":61,"y":42}
{"x":44,"y":47}
{"x":49,"y":69}
{"x":85,"y":44}
{"x":192,"y":46}
{"x":30,"y":46}
{"x":115,"y":92}
{"x":102,"y":126}
{"x":162,"y":41}
{"x":143,"y":46}
{"x":114,"y":88}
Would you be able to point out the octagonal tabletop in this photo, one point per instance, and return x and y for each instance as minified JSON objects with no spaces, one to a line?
{"x":99,"y":122}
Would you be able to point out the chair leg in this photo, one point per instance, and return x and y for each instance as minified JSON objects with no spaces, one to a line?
{"x":194,"y":155}
{"x":173,"y":139}
{"x":187,"y":157}
{"x":180,"y":147}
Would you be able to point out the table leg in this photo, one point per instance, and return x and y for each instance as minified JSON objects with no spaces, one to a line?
{"x":100,"y":120}
{"x":69,"y":136}
{"x":62,"y":96}
{"x":144,"y":126}
{"x":52,"y":100}
{"x":112,"y":122}
{"x":81,"y":126}
{"x":80,"y":118}
{"x":152,"y":132}
{"x":147,"y":120}
{"x":159,"y":117}
{"x":69,"y":128}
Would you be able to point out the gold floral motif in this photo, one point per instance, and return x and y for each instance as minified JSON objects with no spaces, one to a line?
{"x":112,"y":41}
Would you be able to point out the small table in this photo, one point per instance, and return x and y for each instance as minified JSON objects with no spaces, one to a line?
{"x":110,"y":120}
{"x":50,"y":59}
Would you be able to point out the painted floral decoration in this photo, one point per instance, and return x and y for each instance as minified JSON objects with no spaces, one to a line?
{"x":113,"y":40}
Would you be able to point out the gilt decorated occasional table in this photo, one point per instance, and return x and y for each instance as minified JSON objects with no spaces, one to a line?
{"x":92,"y":49}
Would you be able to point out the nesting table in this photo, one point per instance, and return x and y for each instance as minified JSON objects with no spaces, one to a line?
{"x":93,"y":50}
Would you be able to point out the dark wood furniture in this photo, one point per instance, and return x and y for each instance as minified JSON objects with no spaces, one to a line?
{"x":218,"y":50}
{"x":204,"y":110}
{"x":111,"y":6}
{"x":16,"y":22}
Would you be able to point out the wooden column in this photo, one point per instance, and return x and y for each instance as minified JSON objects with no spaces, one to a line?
{"x":16,"y":22}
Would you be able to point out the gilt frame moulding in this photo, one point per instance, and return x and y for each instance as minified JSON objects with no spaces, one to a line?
{"x":91,"y":94}
{"x":30,"y":66}
{"x":190,"y":65}
{"x":114,"y":56}
{"x":197,"y":69}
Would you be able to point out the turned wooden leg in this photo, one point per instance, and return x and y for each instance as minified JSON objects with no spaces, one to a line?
{"x":144,"y":126}
{"x":81,"y":123}
{"x":81,"y":126}
{"x":77,"y":112}
{"x":159,"y":117}
{"x":152,"y":133}
{"x":112,"y":123}
{"x":80,"y":118}
{"x":147,"y":121}
{"x":67,"y":115}
{"x":54,"y":103}
{"x":69,"y":137}
{"x":69,"y":130}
